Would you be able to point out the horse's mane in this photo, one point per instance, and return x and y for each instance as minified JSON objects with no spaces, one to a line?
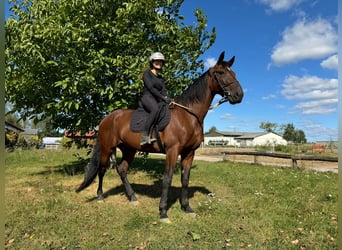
{"x":195,"y":92}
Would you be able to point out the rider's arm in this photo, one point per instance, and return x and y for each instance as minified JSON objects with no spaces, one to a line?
{"x":149,"y":82}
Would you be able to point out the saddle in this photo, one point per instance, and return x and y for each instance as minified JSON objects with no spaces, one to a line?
{"x":162,"y":119}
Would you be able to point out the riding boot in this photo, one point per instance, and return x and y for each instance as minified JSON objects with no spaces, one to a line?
{"x":145,"y":138}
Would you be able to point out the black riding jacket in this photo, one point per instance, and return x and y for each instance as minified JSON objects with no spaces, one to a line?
{"x":154,"y":86}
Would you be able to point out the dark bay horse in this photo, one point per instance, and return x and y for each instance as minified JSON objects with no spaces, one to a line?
{"x":182,"y":136}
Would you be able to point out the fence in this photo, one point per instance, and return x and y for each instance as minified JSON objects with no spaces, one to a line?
{"x":294,"y":158}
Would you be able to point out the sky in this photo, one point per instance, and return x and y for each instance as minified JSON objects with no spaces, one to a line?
{"x":285,"y":59}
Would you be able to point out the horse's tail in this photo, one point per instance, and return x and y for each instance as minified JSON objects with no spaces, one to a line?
{"x":92,"y":168}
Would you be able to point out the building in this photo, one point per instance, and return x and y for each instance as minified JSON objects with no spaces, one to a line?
{"x":243,"y":139}
{"x":219,"y":138}
{"x":52,"y":142}
{"x":29,"y":133}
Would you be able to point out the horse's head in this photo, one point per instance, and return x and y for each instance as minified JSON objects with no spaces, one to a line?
{"x":230,"y":87}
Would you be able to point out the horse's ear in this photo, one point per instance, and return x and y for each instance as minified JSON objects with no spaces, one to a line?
{"x":231,"y":61}
{"x":220,"y":60}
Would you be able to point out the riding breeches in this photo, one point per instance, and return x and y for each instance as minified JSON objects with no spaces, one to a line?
{"x":150,"y":104}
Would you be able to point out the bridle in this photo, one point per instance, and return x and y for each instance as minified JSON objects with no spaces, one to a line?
{"x":224,"y":87}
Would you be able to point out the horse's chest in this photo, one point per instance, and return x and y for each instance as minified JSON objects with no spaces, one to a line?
{"x":196,"y":137}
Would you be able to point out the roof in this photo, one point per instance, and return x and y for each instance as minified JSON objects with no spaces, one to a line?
{"x":11,"y":126}
{"x":238,"y":135}
{"x":221,"y":133}
{"x":252,"y":135}
{"x":89,"y":134}
{"x":30,"y":131}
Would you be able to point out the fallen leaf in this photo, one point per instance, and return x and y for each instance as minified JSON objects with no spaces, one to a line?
{"x":295,"y":242}
{"x":26,"y":236}
{"x":330,"y":237}
{"x":194,"y":236}
{"x":10,"y":241}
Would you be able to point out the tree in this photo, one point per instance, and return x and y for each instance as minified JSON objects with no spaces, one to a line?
{"x":73,"y":62}
{"x":268,"y":126}
{"x":212,"y":129}
{"x":293,"y":135}
{"x":300,"y":136}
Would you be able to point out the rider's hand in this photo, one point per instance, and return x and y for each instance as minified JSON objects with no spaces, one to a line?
{"x":167,"y":100}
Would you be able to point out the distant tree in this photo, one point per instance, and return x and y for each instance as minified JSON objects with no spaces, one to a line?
{"x":289,"y":133}
{"x":300,"y":136}
{"x":268,"y":126}
{"x":212,"y":129}
{"x":75,"y":61}
{"x":293,"y":135}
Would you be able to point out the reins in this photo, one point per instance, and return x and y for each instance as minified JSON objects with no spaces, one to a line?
{"x":224,"y":99}
{"x":188,"y":110}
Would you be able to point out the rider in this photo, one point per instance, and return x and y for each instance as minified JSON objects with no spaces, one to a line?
{"x":154,"y":93}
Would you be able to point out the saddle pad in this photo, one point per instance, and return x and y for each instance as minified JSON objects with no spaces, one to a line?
{"x":138,"y":119}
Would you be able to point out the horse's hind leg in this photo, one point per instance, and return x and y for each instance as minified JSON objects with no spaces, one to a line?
{"x":122,"y":168}
{"x":104,"y":164}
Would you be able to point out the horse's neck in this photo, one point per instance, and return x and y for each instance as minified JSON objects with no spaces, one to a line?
{"x":200,"y":109}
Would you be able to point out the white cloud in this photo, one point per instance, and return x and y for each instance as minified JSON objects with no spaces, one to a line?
{"x":268,"y":97}
{"x":318,"y":132}
{"x":210,"y":62}
{"x":226,"y":117}
{"x":280,"y":5}
{"x":330,"y":63}
{"x":305,"y":40}
{"x":318,"y":107}
{"x":317,"y":95}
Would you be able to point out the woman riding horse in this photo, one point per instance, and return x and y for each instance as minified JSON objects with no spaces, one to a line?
{"x":154,"y":92}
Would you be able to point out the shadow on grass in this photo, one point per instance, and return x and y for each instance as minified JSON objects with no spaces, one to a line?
{"x":152,"y":167}
{"x":155,"y":169}
{"x":154,"y":191}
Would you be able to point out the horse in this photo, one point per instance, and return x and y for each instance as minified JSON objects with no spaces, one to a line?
{"x":181,"y":137}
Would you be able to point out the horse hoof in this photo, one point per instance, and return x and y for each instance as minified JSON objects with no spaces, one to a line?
{"x":134,"y":203}
{"x":165,"y":220}
{"x":100,"y":200}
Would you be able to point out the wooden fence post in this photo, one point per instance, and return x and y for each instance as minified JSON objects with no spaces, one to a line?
{"x":294,"y":163}
{"x":255,"y":159}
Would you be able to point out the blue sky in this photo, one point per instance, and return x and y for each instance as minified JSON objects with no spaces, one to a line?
{"x":286,"y":62}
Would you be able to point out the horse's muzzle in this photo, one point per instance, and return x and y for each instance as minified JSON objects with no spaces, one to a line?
{"x":235,"y":96}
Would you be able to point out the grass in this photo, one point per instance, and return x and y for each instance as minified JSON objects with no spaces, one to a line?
{"x":238,"y":205}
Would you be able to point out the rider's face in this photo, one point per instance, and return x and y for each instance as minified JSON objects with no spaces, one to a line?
{"x":158,"y":64}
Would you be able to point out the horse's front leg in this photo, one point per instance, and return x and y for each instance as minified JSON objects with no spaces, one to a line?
{"x":186,"y":163}
{"x":170,"y":164}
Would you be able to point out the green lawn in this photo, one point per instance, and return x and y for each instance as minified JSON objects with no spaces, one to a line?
{"x":238,"y":206}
